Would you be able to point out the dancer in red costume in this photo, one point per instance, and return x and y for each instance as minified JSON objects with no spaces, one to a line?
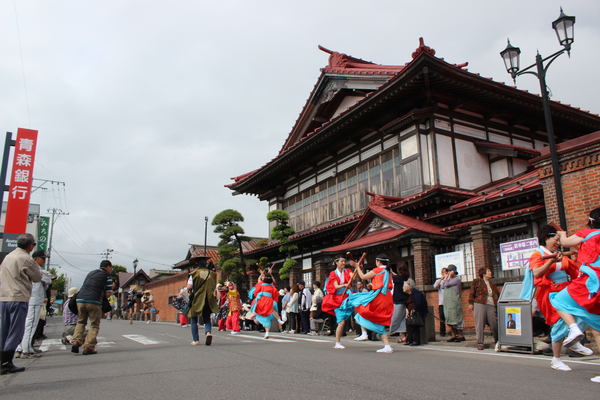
{"x":336,"y":285}
{"x":373,"y":309}
{"x":265,"y":302}
{"x":551,"y":273}
{"x":580,"y":302}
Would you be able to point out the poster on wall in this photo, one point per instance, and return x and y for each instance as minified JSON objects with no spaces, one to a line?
{"x":516,"y":254}
{"x":443,"y":260}
{"x":512,"y":321}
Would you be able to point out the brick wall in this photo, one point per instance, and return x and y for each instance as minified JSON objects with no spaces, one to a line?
{"x":579,"y":161}
{"x":162,"y":289}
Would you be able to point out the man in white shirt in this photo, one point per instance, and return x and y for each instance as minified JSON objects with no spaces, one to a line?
{"x":304,"y":306}
{"x":36,"y":307}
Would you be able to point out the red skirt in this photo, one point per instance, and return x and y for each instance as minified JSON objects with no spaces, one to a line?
{"x":380,"y":310}
{"x":580,"y":293}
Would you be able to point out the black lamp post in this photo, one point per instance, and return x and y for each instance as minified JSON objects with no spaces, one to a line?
{"x":135,"y":264}
{"x":563,"y":27}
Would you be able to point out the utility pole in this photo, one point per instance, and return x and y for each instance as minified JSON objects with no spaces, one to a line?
{"x":106,"y":255}
{"x":55,"y":212}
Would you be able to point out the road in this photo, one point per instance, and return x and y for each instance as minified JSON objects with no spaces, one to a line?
{"x":156,"y":361}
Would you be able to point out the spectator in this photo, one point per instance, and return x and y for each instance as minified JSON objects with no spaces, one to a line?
{"x":97,"y":284}
{"x":284,"y":305}
{"x":452,"y":304}
{"x":360,"y":287}
{"x":416,"y":302}
{"x":483,"y":300}
{"x":315,"y":308}
{"x":304,"y":304}
{"x":398,"y":325}
{"x":69,"y":319}
{"x":112,"y":300}
{"x":17,"y":272}
{"x":35,"y":311}
{"x":440,"y":290}
{"x":292,"y":308}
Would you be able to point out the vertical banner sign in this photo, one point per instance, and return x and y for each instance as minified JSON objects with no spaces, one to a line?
{"x":20,"y":182}
{"x":42,"y":240}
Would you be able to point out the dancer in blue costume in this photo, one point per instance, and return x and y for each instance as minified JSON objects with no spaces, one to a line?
{"x":265,"y":302}
{"x":580,"y":301}
{"x":374,"y":309}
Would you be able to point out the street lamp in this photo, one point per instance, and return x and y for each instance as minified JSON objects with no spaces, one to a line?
{"x":563,"y":27}
{"x":135,"y":264}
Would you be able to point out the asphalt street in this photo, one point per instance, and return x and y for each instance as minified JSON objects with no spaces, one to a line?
{"x":156,"y":361}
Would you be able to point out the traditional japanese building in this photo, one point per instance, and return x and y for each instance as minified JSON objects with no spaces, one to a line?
{"x":411,"y":160}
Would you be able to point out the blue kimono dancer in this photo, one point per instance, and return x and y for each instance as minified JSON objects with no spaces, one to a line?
{"x":264,"y":321}
{"x":564,"y":302}
{"x":362,"y":299}
{"x":560,"y":330}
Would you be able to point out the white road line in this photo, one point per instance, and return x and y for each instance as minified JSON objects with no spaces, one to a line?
{"x":589,"y":361}
{"x":304,"y":338}
{"x":141,"y":339}
{"x":270,"y":339}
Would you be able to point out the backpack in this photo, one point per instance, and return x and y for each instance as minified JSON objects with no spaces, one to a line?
{"x":73,"y":304}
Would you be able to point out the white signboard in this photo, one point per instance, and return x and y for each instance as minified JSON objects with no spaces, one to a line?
{"x":516,"y":254}
{"x":443,"y":260}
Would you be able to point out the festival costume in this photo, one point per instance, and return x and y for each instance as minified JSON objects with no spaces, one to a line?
{"x":374,"y":309}
{"x":265,"y":302}
{"x":581,"y":298}
{"x":235,"y":307}
{"x":555,"y":279}
{"x":333,"y":299}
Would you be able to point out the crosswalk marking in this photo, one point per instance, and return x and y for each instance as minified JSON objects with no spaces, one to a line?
{"x":56,"y":344}
{"x":141,"y":339}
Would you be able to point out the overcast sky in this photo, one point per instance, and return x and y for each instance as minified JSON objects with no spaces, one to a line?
{"x":146,"y":109}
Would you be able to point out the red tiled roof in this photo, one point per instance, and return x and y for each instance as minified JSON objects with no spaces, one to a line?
{"x":405,"y":220}
{"x":522,"y":211}
{"x":515,"y":188}
{"x":368,"y":240}
{"x":310,"y":232}
{"x":421,"y":195}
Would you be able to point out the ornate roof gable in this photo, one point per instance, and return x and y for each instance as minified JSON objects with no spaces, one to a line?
{"x":378,"y":224}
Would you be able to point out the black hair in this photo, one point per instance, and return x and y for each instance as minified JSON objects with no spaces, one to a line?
{"x":384,"y":260}
{"x":336,"y":258}
{"x":268,"y":278}
{"x":594,"y":221}
{"x":105,"y":264}
{"x":544,"y":233}
{"x":317,"y":284}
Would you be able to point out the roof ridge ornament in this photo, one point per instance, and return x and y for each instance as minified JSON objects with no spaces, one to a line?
{"x":422,"y":49}
{"x":341,"y":60}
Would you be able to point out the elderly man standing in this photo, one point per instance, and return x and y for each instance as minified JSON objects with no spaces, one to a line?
{"x":36,"y":307}
{"x":17,"y":272}
{"x":97,"y":284}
